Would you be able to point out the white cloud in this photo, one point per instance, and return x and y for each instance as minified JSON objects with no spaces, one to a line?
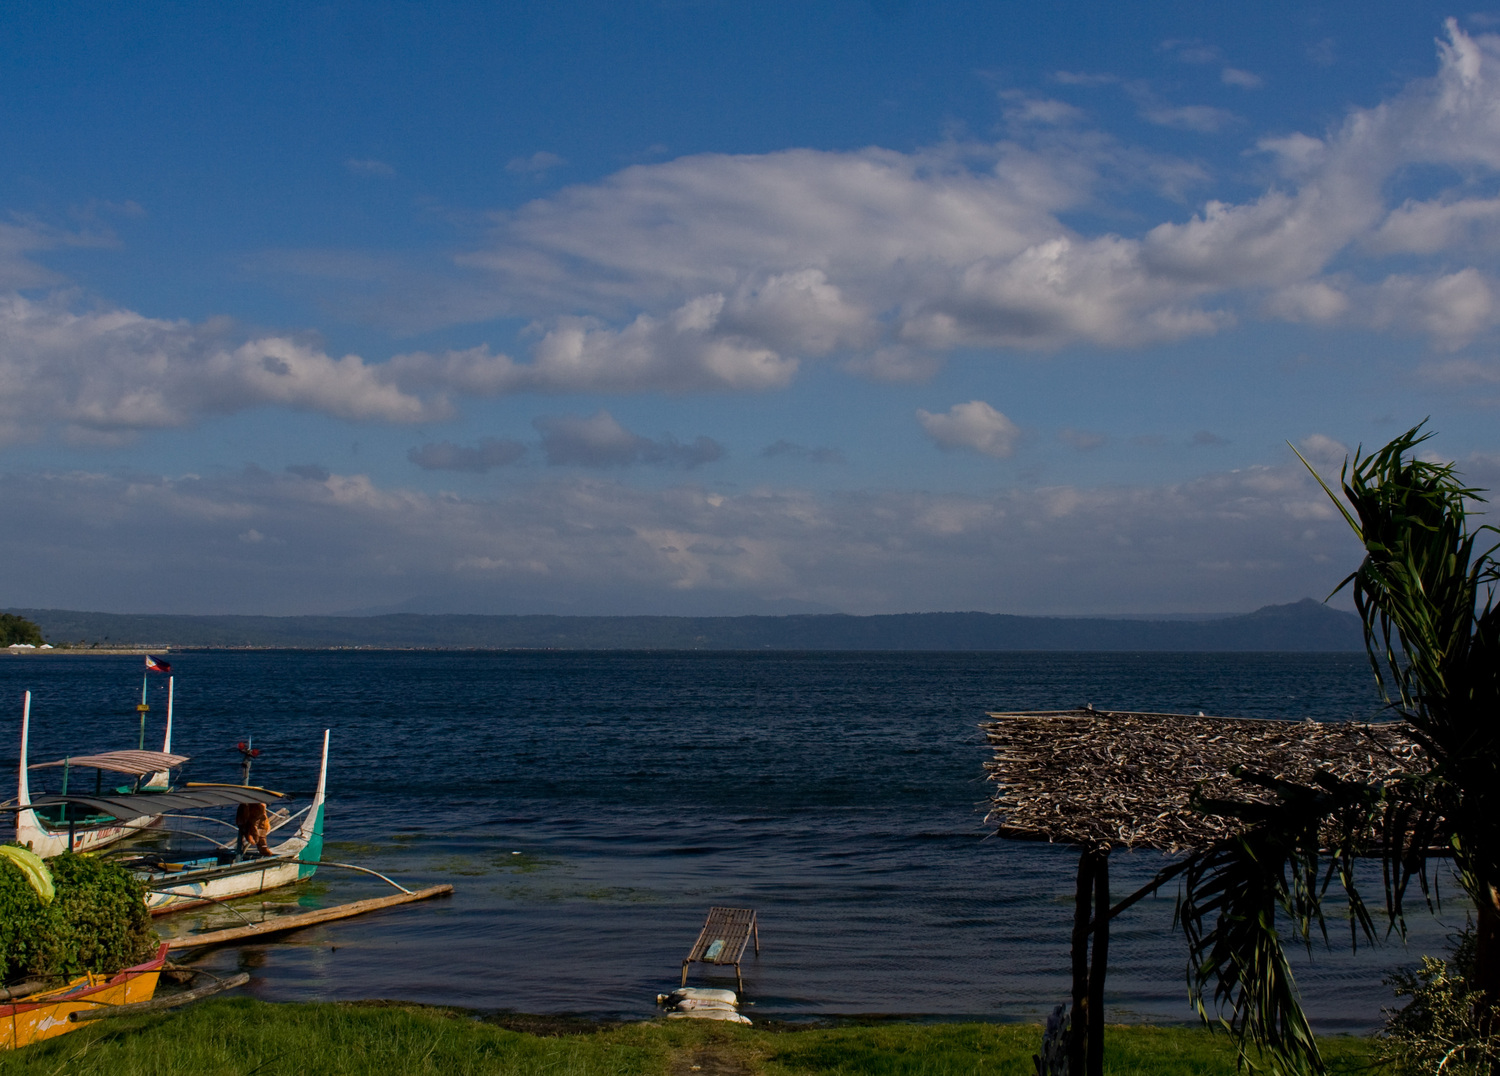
{"x":1020,"y":107}
{"x":1312,"y":301}
{"x":105,"y":373}
{"x":719,"y":272}
{"x":1247,"y":80}
{"x":1429,"y":227}
{"x":17,"y":270}
{"x":1204,"y":119}
{"x":786,"y":256}
{"x":538,"y":164}
{"x":600,"y":441}
{"x":1323,"y":451}
{"x":975,"y":426}
{"x":1234,"y":540}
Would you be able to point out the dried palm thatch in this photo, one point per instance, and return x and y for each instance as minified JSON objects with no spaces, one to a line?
{"x":1109,"y":779}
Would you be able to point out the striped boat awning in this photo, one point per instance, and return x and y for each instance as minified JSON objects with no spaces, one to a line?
{"x":138,"y":763}
{"x":149,"y":804}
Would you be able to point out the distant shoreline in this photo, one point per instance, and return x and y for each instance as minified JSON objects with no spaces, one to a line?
{"x":87,"y":651}
{"x":1297,"y":627}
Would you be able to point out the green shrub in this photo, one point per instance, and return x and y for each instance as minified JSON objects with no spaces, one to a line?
{"x":97,"y":923}
{"x":17,"y":629}
{"x":23,"y":922}
{"x":1442,"y":1027}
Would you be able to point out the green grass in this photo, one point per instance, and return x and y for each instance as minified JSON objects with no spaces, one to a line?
{"x":249,"y":1038}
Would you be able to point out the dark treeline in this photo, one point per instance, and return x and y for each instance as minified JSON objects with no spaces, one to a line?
{"x":1305,"y":625}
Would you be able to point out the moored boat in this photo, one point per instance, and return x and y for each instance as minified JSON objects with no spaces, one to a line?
{"x":45,"y":1015}
{"x":174,"y":883}
{"x":62,"y":826}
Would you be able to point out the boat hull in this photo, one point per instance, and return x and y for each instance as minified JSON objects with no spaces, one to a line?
{"x":241,"y":880}
{"x":45,"y":841}
{"x":290,"y":861}
{"x":46,"y":1016}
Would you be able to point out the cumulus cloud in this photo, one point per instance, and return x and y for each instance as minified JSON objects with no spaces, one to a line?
{"x":110,"y":372}
{"x":720,"y":272}
{"x":489,"y":453}
{"x":1322,"y":450}
{"x":1233,"y":540}
{"x":725,"y":271}
{"x":600,"y":441}
{"x":975,"y":426}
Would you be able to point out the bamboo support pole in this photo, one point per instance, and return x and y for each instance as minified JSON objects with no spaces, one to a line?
{"x":22,"y":990}
{"x":1078,"y":1024}
{"x":105,"y":1012}
{"x":1099,"y":966}
{"x":297,"y":922}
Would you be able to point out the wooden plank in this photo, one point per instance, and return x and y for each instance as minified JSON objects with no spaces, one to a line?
{"x":105,"y":1012}
{"x":296,"y":922}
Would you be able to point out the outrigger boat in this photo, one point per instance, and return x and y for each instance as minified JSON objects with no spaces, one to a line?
{"x":174,"y":883}
{"x":51,"y":825}
{"x":45,"y":1015}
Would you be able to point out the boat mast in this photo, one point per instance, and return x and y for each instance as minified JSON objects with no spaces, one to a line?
{"x":166,"y":744}
{"x":141,"y":709}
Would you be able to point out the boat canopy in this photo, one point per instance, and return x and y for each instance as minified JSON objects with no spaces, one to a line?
{"x":153,"y":803}
{"x":136,"y":763}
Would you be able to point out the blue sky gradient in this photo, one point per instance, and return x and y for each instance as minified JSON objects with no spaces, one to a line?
{"x":713,"y":308}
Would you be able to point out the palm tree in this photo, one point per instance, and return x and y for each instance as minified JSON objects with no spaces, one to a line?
{"x":1426,"y":593}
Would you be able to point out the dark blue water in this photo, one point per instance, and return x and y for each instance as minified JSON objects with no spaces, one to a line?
{"x":841,"y":795}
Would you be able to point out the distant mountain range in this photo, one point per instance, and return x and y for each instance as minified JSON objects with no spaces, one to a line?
{"x":1304,"y":625}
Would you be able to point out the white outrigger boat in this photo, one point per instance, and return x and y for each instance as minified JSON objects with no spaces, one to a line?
{"x":52,"y":826}
{"x":176,"y":883}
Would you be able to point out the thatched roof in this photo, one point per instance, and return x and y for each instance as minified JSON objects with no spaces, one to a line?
{"x":1100,"y":778}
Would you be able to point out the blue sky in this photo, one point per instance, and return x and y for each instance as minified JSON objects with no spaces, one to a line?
{"x":711,"y":308}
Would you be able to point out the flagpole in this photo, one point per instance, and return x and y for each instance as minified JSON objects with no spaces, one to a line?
{"x":142,"y":708}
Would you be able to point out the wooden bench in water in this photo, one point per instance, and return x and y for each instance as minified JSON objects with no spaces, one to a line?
{"x":722,"y":940}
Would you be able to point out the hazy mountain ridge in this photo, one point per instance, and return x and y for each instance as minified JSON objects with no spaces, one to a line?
{"x":1305,"y":625}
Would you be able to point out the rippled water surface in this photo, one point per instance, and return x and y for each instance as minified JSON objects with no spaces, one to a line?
{"x":589,"y":807}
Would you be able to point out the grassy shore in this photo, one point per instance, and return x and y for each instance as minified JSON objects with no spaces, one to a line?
{"x":249,"y":1038}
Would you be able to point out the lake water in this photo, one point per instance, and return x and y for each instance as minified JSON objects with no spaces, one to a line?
{"x":839,"y":794}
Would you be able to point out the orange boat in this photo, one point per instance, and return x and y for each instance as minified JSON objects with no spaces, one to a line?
{"x":45,"y":1015}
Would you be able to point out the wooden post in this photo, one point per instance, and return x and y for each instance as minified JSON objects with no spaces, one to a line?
{"x":1078,"y":1026}
{"x":1099,"y":965}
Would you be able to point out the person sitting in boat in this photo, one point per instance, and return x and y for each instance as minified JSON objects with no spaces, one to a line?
{"x":254,"y":826}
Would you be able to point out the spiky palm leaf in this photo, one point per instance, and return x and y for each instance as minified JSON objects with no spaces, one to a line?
{"x":1425,"y":593}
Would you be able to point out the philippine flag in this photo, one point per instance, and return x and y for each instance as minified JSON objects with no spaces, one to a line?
{"x":152,"y":665}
